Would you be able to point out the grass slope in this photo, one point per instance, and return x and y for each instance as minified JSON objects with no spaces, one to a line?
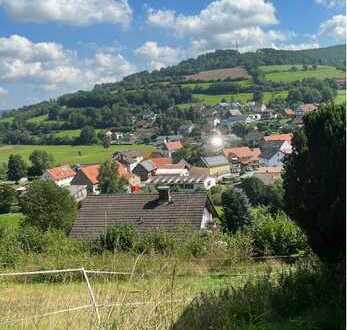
{"x":282,"y":73}
{"x":10,"y":219}
{"x":69,"y":154}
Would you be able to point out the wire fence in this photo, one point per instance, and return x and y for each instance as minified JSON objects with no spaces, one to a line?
{"x":96,"y":306}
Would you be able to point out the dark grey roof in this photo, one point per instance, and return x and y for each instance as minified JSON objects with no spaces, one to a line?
{"x":214,"y":161}
{"x":269,"y":149}
{"x":144,"y":211}
{"x":147,"y":165}
{"x":176,"y":179}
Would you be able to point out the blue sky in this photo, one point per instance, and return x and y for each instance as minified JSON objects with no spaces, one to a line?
{"x":52,"y":47}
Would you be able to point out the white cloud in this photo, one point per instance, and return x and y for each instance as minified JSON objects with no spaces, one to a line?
{"x":334,"y":27}
{"x":71,"y":12}
{"x":160,"y":56}
{"x":50,"y":67}
{"x":222,"y":23}
{"x":3,"y":92}
{"x":331,"y":3}
{"x":299,"y":46}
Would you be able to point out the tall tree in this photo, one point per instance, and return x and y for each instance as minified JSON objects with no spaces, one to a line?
{"x":7,"y":198}
{"x":236,"y":210}
{"x":315,"y":178}
{"x":109,"y":180}
{"x":40,"y":161}
{"x":47,"y":206}
{"x":87,"y":135}
{"x":16,"y":168}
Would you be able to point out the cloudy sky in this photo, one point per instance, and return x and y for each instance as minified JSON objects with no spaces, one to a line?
{"x":52,"y":47}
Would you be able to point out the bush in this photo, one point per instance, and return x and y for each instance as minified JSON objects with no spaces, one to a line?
{"x":275,"y":234}
{"x":308,"y":298}
{"x":10,"y":249}
{"x":118,"y":238}
{"x":193,"y":243}
{"x":31,"y":239}
{"x":155,"y":241}
{"x":7,"y":198}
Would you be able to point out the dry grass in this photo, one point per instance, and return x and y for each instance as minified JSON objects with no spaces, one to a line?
{"x":166,"y":288}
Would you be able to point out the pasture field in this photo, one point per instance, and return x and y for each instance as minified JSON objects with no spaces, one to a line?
{"x":10,"y":219}
{"x":340,"y":97}
{"x":282,"y":73}
{"x":73,"y":133}
{"x":214,"y":99}
{"x":162,"y":288}
{"x":70,"y":154}
{"x":243,"y":83}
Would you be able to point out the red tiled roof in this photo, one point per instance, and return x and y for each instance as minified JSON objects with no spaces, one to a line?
{"x":91,"y":172}
{"x":61,"y":172}
{"x":242,"y":152}
{"x":162,"y":161}
{"x":279,"y":137}
{"x":173,"y":146}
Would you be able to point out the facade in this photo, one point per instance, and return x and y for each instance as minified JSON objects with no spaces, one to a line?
{"x":171,"y":147}
{"x":286,"y":140}
{"x":164,"y":210}
{"x":129,"y":158}
{"x":61,"y":175}
{"x":144,"y":170}
{"x":304,"y":109}
{"x":272,"y":154}
{"x":87,"y":175}
{"x":242,"y":158}
{"x":79,"y":193}
{"x":216,"y":165}
{"x":187,"y":183}
{"x":268,"y":175}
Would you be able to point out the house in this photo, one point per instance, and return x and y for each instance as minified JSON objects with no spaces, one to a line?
{"x":129,"y":158}
{"x":61,"y":175}
{"x":78,"y":192}
{"x":187,"y":183}
{"x":88,"y":175}
{"x":185,"y":129}
{"x":235,"y":112}
{"x":216,"y":165}
{"x":171,"y":169}
{"x":242,"y":158}
{"x":144,"y":170}
{"x":164,"y":210}
{"x":285,"y":138}
{"x":268,"y":175}
{"x":304,"y":109}
{"x":230,"y":122}
{"x":271,"y":153}
{"x":160,"y":140}
{"x":171,"y":147}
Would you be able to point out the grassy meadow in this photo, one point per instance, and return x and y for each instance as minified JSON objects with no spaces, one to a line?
{"x":279,"y":73}
{"x":70,"y":154}
{"x":10,"y":219}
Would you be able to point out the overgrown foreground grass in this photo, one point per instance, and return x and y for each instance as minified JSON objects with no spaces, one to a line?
{"x":176,"y":293}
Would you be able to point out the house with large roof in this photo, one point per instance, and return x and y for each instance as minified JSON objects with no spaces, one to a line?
{"x":272,"y":153}
{"x":164,"y":210}
{"x":216,"y":165}
{"x":60,"y":175}
{"x":242,"y":158}
{"x":171,"y":147}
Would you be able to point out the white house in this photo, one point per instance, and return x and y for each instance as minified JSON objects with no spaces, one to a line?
{"x":272,"y":153}
{"x":61,"y":175}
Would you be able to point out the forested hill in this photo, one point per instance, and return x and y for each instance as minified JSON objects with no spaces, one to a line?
{"x":221,"y":59}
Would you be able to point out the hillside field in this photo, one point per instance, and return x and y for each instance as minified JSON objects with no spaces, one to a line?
{"x":233,"y":73}
{"x":282,"y":73}
{"x":70,"y":154}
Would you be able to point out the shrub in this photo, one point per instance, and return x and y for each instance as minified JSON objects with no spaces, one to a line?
{"x":10,"y":249}
{"x":7,"y":198}
{"x":275,"y":234}
{"x":31,"y":239}
{"x":156,"y":241}
{"x":118,"y":238}
{"x":193,"y":243}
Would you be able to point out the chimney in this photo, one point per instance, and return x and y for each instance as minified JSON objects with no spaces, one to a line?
{"x":164,"y":194}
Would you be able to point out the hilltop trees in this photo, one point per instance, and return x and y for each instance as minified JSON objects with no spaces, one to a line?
{"x":314,"y":181}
